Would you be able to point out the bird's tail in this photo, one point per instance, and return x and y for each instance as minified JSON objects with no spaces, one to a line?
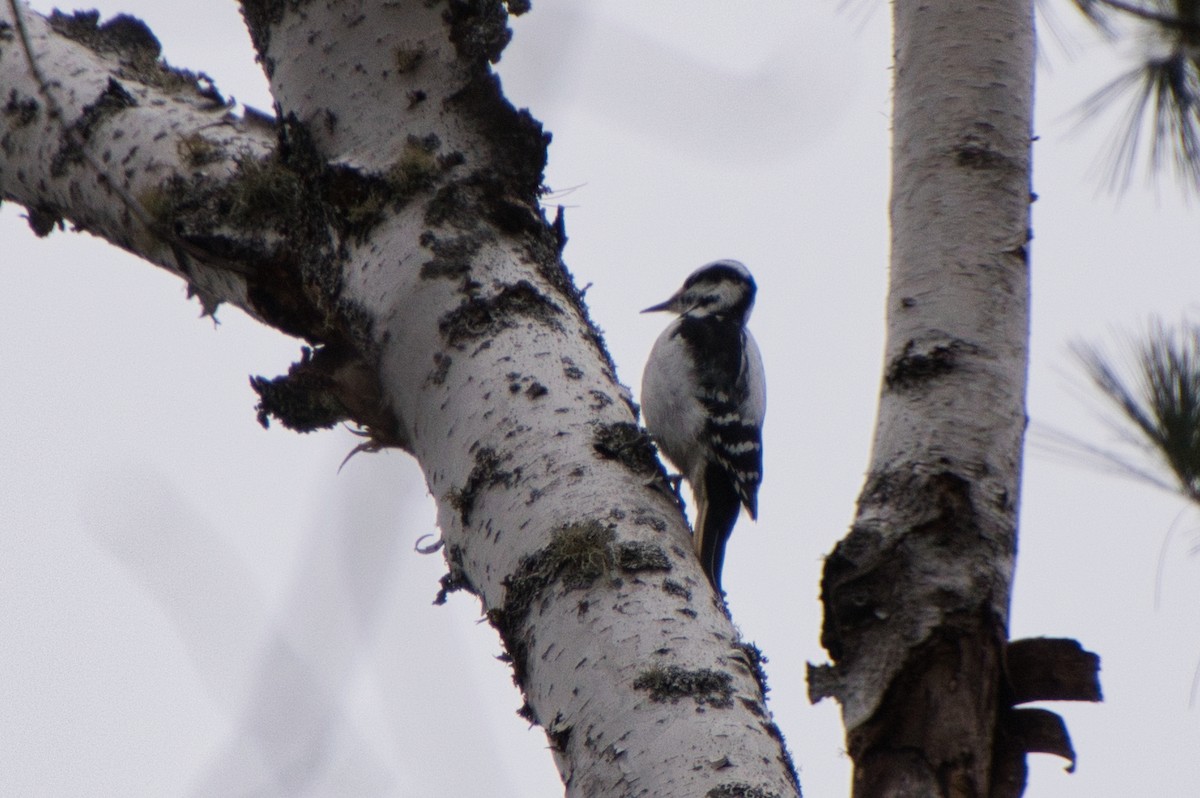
{"x":716,"y":513}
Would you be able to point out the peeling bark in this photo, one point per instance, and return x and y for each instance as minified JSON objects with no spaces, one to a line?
{"x":917,"y":595}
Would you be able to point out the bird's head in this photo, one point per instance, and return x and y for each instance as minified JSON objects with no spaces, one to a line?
{"x":720,"y":288}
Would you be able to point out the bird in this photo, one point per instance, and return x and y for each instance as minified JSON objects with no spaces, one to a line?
{"x":704,"y":398}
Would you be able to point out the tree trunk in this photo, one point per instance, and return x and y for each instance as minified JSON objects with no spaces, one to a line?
{"x":390,"y":217}
{"x":917,"y":595}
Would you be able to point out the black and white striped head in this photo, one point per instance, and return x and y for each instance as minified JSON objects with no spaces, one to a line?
{"x":721,"y":288}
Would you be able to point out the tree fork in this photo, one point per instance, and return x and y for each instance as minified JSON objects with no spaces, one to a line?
{"x":389,"y":215}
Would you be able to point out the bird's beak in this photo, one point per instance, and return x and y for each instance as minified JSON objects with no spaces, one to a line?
{"x":668,"y":305}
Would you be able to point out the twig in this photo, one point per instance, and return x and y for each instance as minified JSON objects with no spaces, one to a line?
{"x":1166,"y":20}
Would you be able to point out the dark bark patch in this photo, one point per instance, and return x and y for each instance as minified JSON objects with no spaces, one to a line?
{"x":327,"y":386}
{"x":197,"y":151}
{"x":138,"y":49}
{"x":1021,"y":252}
{"x":21,"y":110}
{"x":858,"y":590}
{"x":408,"y":59}
{"x":1021,"y":732}
{"x":945,"y":723}
{"x":261,"y":16}
{"x":479,"y":29}
{"x":292,"y":192}
{"x":705,"y":686}
{"x":570,"y":370}
{"x":261,"y":194}
{"x":478,"y":318}
{"x":644,"y":517}
{"x":278,"y":218}
{"x":533,"y":389}
{"x":920,"y":364}
{"x":467,"y":203}
{"x":559,"y":735}
{"x":1052,"y":669}
{"x":360,"y":200}
{"x":753,"y":707}
{"x":754,"y":660}
{"x":451,"y":256}
{"x":785,"y":756}
{"x":824,"y":681}
{"x":577,"y":556}
{"x":357,"y":200}
{"x":1041,"y":731}
{"x":974,"y":155}
{"x":485,"y":474}
{"x":634,"y":556}
{"x":335,"y":196}
{"x":303,"y":400}
{"x":455,"y":578}
{"x":518,"y":158}
{"x":417,"y":167}
{"x":740,"y":790}
{"x":441,"y":368}
{"x":865,"y":577}
{"x":265,"y":193}
{"x":258,"y":220}
{"x":44,"y":219}
{"x":673,"y":588}
{"x":124,"y":35}
{"x":935,"y":717}
{"x":282,"y":299}
{"x":456,"y":204}
{"x":312,"y":207}
{"x":111,"y":101}
{"x":600,"y":399}
{"x":507,"y":195}
{"x":560,"y":231}
{"x":628,"y":444}
{"x":478,"y":199}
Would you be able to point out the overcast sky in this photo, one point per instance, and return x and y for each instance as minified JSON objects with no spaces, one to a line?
{"x":193,"y":606}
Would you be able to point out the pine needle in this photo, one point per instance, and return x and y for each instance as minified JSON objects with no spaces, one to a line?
{"x":1157,"y":395}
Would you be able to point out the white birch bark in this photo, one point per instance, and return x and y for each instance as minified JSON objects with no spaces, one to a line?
{"x":113,"y":97}
{"x":395,"y":225}
{"x":920,"y":588}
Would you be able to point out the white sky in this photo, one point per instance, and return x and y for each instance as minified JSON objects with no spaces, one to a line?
{"x":193,"y":606}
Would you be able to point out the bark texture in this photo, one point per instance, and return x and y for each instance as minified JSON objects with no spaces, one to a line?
{"x":389,"y":216}
{"x":917,"y":595}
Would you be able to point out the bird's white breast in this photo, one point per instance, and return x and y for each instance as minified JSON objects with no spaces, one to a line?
{"x":675,"y":417}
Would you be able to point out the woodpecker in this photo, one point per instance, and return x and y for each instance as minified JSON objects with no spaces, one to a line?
{"x":704,"y":397}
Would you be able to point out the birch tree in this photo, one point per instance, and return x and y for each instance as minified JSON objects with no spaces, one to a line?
{"x":388,"y":214}
{"x":917,"y":595}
